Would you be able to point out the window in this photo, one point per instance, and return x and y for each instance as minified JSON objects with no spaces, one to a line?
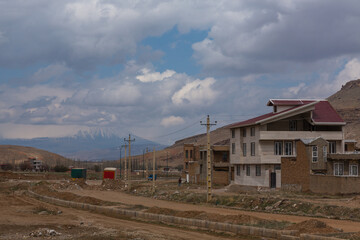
{"x":201,"y":167}
{"x":353,"y":169}
{"x":325,"y":153}
{"x":314,"y":154}
{"x":244,"y":149}
{"x":186,"y":153}
{"x":191,"y":153}
{"x":252,"y":131}
{"x":238,"y":170}
{"x":278,"y":148}
{"x":244,"y":132}
{"x":225,"y":157}
{"x":233,"y":133}
{"x":277,"y":166}
{"x":247,"y":170}
{"x":288,"y":148}
{"x":233,"y":148}
{"x":258,"y":170}
{"x":252,"y":149}
{"x":338,"y":169}
{"x":332,"y":147}
{"x":292,"y":125}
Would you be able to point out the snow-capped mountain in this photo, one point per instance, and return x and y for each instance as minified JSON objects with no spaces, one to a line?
{"x":91,"y":144}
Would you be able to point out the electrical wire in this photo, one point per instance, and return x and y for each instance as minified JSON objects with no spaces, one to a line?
{"x":161,"y":136}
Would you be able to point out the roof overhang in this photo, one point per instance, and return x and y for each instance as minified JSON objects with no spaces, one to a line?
{"x":329,"y":123}
{"x":290,"y":113}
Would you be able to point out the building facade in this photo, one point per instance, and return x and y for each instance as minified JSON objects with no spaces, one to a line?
{"x":195,"y":164}
{"x":315,"y":170}
{"x":258,"y":144}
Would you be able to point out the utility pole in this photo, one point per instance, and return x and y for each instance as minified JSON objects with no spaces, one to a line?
{"x":143,"y":167}
{"x":126,"y":170}
{"x":129,"y":142}
{"x":153,"y":178}
{"x":209,"y":164}
{"x":147,"y":163}
{"x":167,"y":164}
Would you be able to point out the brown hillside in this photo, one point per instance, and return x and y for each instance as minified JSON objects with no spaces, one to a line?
{"x":347,"y":104}
{"x":17,"y":154}
{"x":218,"y":136}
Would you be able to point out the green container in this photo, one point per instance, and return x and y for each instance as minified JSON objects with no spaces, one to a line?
{"x":78,"y":173}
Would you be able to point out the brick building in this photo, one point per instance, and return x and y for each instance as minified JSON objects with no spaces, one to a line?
{"x":314,"y":169}
{"x":195,"y":162}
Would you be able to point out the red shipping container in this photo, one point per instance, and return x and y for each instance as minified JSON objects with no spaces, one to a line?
{"x":109,"y":173}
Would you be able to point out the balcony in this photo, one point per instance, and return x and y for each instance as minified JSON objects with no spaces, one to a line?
{"x":291,"y":135}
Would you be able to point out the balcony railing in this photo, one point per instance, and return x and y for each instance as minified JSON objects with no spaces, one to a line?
{"x":291,"y":135}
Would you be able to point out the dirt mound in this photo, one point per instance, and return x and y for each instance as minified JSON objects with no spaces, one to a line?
{"x":76,"y":184}
{"x":108,"y":184}
{"x":31,"y":176}
{"x":313,"y":226}
{"x":45,"y":189}
{"x":234,"y":219}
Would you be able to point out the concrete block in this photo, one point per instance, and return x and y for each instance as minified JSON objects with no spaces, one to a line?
{"x":244,"y":230}
{"x":288,"y":237}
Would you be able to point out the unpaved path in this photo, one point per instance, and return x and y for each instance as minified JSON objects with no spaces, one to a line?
{"x":18,"y":220}
{"x":121,"y":197}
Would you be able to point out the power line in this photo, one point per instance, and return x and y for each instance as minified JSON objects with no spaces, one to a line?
{"x":193,"y":124}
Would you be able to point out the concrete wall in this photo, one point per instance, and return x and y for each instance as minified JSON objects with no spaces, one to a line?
{"x":253,"y":180}
{"x":237,"y":157}
{"x":334,"y":185}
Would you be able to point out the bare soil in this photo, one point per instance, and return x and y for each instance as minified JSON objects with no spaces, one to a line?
{"x":125,"y":198}
{"x":27,"y":218}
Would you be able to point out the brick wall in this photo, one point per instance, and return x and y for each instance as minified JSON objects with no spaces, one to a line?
{"x":295,"y":171}
{"x":220,"y":177}
{"x":334,"y":185}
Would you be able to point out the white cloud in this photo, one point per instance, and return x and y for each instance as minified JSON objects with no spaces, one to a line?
{"x":294,"y":91}
{"x":351,"y":71}
{"x":117,"y":95}
{"x":52,"y":71}
{"x":148,"y":76}
{"x":172,"y":121}
{"x":198,"y":92}
{"x":325,"y":85}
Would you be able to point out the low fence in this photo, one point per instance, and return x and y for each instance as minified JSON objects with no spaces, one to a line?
{"x":334,"y":184}
{"x":209,"y":225}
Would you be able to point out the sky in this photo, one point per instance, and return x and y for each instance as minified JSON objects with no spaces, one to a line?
{"x":155,"y":69}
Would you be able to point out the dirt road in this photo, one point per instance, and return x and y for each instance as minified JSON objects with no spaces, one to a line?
{"x":121,"y":197}
{"x":25,"y":218}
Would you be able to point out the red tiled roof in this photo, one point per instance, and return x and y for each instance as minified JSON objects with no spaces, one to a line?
{"x":251,"y":121}
{"x":283,"y":102}
{"x":323,"y":112}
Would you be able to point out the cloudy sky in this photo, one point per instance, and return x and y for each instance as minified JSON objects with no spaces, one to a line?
{"x":156,"y":68}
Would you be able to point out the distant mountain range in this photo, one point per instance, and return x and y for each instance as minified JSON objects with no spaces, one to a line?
{"x":94,"y":144}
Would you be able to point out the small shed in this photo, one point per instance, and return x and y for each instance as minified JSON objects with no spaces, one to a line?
{"x":109,"y":173}
{"x":78,"y":173}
